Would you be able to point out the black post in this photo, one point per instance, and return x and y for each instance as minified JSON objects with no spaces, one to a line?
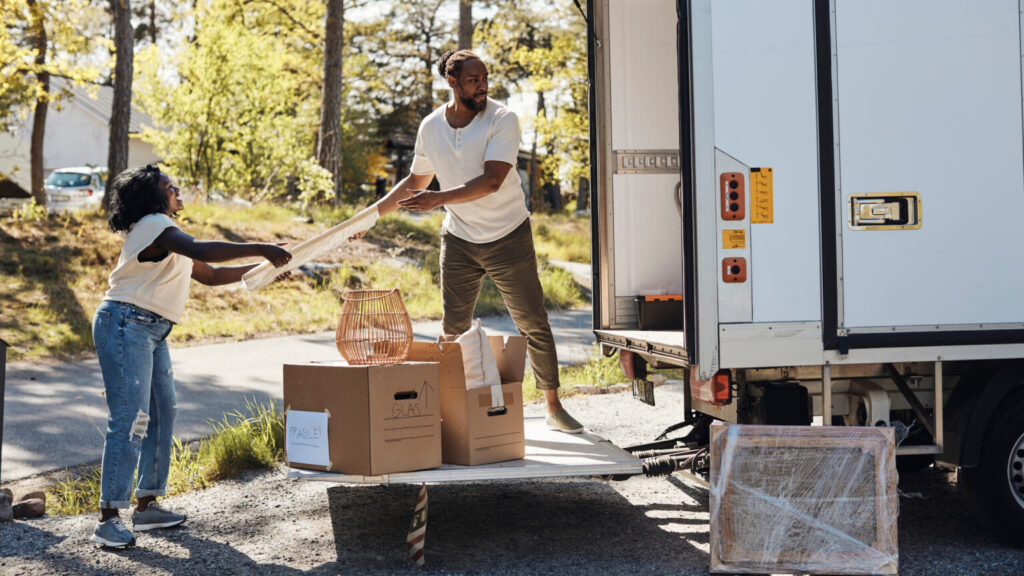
{"x":3,"y":377}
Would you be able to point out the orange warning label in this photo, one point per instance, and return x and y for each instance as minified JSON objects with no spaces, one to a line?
{"x":734,"y":239}
{"x":761,"y":201}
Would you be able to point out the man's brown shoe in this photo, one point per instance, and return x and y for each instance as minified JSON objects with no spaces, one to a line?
{"x":562,"y":422}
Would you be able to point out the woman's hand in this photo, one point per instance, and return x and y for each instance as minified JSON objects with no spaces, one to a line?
{"x":278,"y":256}
{"x":421,"y":201}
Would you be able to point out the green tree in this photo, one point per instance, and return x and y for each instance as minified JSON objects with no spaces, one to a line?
{"x":390,"y":64}
{"x":541,"y":48}
{"x":154,"y":19}
{"x":18,"y":85}
{"x":238,"y":107}
{"x":241,"y":116}
{"x":420,"y":36}
{"x":41,"y":38}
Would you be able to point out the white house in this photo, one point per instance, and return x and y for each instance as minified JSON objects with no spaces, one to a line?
{"x":77,"y":134}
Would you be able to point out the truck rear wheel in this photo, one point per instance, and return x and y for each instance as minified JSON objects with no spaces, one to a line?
{"x":996,"y":485}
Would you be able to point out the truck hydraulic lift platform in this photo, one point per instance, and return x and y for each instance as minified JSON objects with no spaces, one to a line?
{"x":549,"y":454}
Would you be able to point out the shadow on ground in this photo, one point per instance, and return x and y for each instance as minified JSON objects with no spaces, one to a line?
{"x":577,"y":527}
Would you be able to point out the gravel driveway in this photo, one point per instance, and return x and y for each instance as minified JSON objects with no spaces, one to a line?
{"x":264,"y":523}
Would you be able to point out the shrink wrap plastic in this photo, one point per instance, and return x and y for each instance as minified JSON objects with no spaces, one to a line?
{"x":799,"y":499}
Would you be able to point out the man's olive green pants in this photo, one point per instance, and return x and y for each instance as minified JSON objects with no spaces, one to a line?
{"x":512,"y":265}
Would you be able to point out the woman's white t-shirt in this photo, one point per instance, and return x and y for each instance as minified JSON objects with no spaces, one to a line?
{"x":160,"y":287}
{"x":457,"y":155}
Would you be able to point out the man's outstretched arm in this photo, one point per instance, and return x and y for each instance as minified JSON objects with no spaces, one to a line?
{"x":403,"y":190}
{"x":419,"y":200}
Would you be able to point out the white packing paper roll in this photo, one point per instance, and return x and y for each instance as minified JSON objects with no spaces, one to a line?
{"x":316,"y":246}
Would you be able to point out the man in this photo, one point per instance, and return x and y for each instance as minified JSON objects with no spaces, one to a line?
{"x":471,"y":144}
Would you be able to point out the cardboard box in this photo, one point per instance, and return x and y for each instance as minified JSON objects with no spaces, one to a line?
{"x":473,"y":430}
{"x":803,"y":499}
{"x":382,"y":419}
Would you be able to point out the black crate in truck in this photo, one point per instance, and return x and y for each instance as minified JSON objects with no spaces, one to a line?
{"x":660,"y":312}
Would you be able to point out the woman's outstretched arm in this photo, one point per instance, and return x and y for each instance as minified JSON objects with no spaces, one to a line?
{"x":174,"y":240}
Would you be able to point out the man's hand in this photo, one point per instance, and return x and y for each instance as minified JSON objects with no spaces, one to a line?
{"x":421,"y":201}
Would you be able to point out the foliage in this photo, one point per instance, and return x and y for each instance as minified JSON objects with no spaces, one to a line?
{"x":560,"y":288}
{"x":237,"y":108}
{"x":541,"y":48}
{"x":252,"y":441}
{"x":75,"y":495}
{"x":393,"y":56}
{"x":242,"y":443}
{"x":562,"y":237}
{"x":29,"y":212}
{"x":76,"y":49}
{"x":240,"y":118}
{"x":156,"y":20}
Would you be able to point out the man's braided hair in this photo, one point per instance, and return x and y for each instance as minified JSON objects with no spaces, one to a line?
{"x":451,"y":62}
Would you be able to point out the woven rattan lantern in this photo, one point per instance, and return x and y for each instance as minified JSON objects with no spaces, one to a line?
{"x":374,"y":327}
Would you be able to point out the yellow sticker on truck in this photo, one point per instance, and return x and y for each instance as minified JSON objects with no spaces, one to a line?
{"x":734,"y":239}
{"x":761,"y":201}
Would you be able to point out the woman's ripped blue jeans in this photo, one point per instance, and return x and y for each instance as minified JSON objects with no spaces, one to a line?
{"x":132,"y":347}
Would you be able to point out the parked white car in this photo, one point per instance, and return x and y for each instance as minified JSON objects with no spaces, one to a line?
{"x":75,"y":189}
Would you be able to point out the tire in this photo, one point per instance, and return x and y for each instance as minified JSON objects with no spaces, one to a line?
{"x":996,"y":486}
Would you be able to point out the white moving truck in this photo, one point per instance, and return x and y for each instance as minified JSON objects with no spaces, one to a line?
{"x":834,"y":188}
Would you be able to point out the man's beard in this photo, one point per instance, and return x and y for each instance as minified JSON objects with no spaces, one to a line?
{"x":472,"y":104}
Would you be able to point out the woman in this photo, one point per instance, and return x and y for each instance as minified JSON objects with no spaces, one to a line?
{"x":147,"y":294}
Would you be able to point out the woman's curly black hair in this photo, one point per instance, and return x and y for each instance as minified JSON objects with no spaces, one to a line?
{"x":451,"y":61}
{"x":136,"y":193}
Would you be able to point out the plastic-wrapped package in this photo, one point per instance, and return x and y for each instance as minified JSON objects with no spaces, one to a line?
{"x":304,"y":252}
{"x":799,"y":499}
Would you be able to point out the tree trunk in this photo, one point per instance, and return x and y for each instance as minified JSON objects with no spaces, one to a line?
{"x":42,"y":103}
{"x":536,"y":190}
{"x":152,"y":21}
{"x":465,"y":24}
{"x":121,"y":109}
{"x":329,"y":138}
{"x":428,"y":86}
{"x":583,"y":194}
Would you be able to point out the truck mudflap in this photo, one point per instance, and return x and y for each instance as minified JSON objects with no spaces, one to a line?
{"x":549,"y":454}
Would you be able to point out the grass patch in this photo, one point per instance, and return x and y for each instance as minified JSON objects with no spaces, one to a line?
{"x":562,"y":236}
{"x":422,"y":231}
{"x":560,"y":288}
{"x":242,"y":443}
{"x":599,"y":370}
{"x":252,"y":441}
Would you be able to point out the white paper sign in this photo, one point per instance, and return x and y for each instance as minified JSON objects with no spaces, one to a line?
{"x":305,"y":438}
